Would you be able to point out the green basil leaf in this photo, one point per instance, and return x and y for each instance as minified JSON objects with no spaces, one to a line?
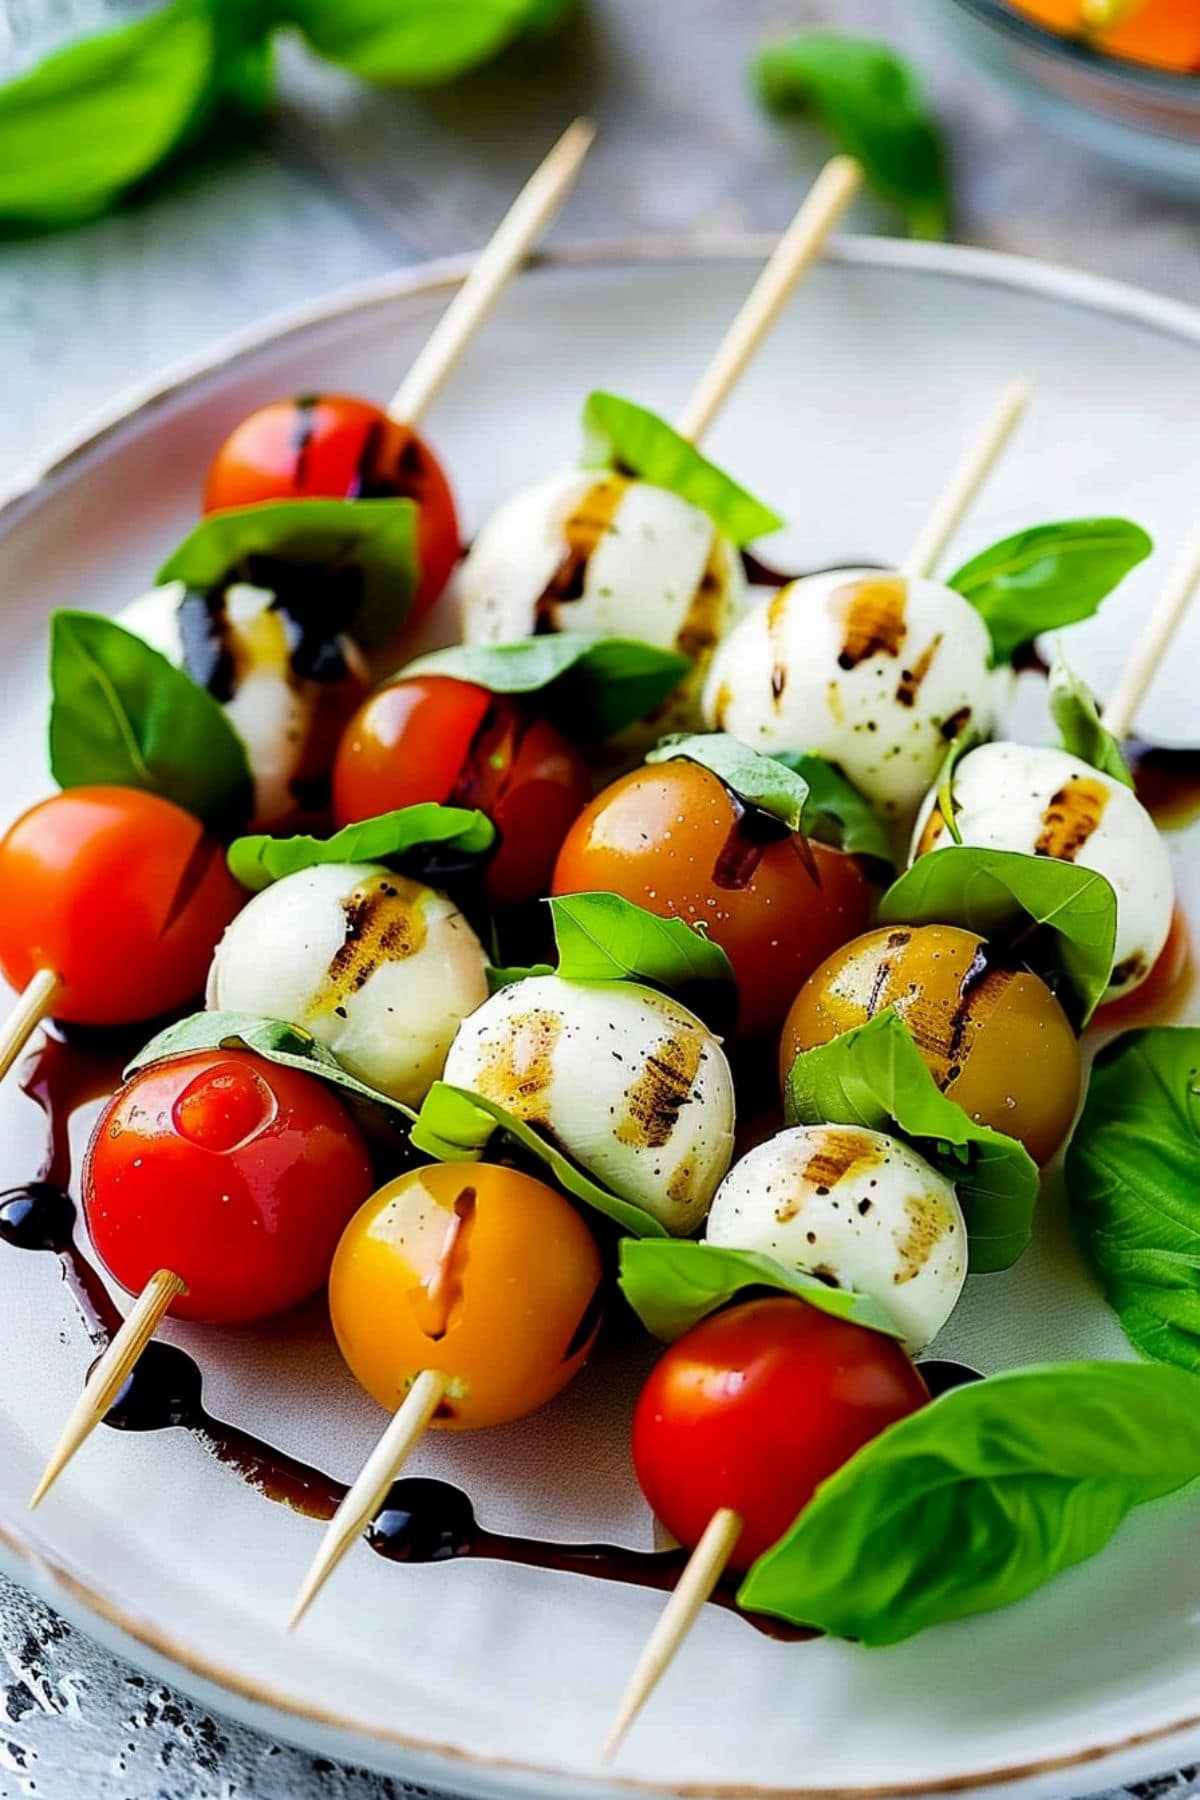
{"x":1073,"y":709}
{"x":1062,"y":918}
{"x":672,"y":1284}
{"x":498,"y":978}
{"x":834,"y":810}
{"x":1131,"y":1181}
{"x":875,"y":1077}
{"x":122,"y":713}
{"x":763,"y":781}
{"x":602,"y":937}
{"x":621,"y":435}
{"x":1048,"y":576}
{"x":289,"y":1045}
{"x":592,"y":686}
{"x":870,"y":102}
{"x":258,"y":861}
{"x":974,"y":1501}
{"x":944,"y":783}
{"x":456,"y":1126}
{"x":418,"y":43}
{"x":368,"y":544}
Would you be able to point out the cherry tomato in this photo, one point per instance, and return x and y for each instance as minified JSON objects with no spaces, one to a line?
{"x":236,"y":1174}
{"x":474,"y":1270}
{"x":433,"y":738}
{"x":335,"y":447}
{"x":1152,"y":997}
{"x":675,"y":840}
{"x":121,"y":894}
{"x":995,"y":1039}
{"x":754,"y":1408}
{"x":1163,"y":33}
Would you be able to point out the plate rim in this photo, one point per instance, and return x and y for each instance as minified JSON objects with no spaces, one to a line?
{"x":34,"y":485}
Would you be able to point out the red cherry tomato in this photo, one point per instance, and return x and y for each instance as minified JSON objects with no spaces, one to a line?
{"x":234,"y":1173}
{"x":1161,"y":986}
{"x":121,"y":894}
{"x":332,"y":446}
{"x":754,"y":1408}
{"x":670,"y":838}
{"x":433,"y":738}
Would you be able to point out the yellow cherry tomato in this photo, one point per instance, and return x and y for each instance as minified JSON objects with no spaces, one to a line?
{"x":474,"y":1270}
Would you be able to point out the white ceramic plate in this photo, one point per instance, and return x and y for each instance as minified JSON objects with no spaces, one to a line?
{"x":499,"y":1680}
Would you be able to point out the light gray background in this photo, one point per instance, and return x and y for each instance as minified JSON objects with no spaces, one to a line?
{"x":343,"y":183}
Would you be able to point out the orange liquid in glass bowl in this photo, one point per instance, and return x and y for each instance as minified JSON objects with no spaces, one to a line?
{"x":1162,"y":33}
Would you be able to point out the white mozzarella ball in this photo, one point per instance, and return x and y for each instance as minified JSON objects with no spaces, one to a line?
{"x":379,"y":968}
{"x":626,"y":1080}
{"x":1046,"y":802}
{"x":872,"y":670}
{"x":288,"y":722}
{"x":856,"y":1208}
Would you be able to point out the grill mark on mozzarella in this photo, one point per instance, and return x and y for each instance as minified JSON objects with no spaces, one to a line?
{"x":654,"y":1101}
{"x":873,"y":615}
{"x":701,"y":627}
{"x":837,"y":1155}
{"x":585,"y":525}
{"x":385,"y":922}
{"x":1070,"y":818}
{"x":519,"y":1065}
{"x":776,"y":621}
{"x":927,"y":1221}
{"x":910,"y":680}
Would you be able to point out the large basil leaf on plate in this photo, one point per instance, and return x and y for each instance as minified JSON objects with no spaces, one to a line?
{"x":621,"y":435}
{"x":1047,"y":576}
{"x":875,"y":1076}
{"x":590,"y":685}
{"x":1061,"y":919}
{"x":1074,"y":710}
{"x":457,"y":1126}
{"x":258,"y":861}
{"x":120,"y":713}
{"x":1131,"y":1177}
{"x":362,"y":550}
{"x":977,"y":1499}
{"x":672,"y":1284}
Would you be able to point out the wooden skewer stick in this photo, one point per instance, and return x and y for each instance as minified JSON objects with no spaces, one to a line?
{"x":533,"y":210}
{"x":796,"y":251}
{"x":966,"y":481}
{"x":378,"y":1473}
{"x":1151,"y":646}
{"x":31,"y":1006}
{"x":704,"y":1569}
{"x":110,"y":1374}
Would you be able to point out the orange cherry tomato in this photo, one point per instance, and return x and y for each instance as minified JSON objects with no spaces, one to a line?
{"x":754,"y":1408}
{"x":1163,"y":33}
{"x":672,"y":838}
{"x":430,"y":737}
{"x":121,"y":894}
{"x":335,"y":447}
{"x":477,"y":1271}
{"x":236,"y":1174}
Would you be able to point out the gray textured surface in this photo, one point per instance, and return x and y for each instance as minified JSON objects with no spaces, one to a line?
{"x":347,"y":183}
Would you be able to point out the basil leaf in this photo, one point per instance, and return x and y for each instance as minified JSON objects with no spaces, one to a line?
{"x":621,"y":435}
{"x":592,"y":686}
{"x":834,"y":810}
{"x":498,"y":978}
{"x":672,"y":1284}
{"x":258,"y":861}
{"x":1131,"y":1181}
{"x":945,"y":809}
{"x":456,"y":1126}
{"x":870,"y":102}
{"x":1062,"y":918}
{"x":602,"y":937}
{"x":1073,"y":709}
{"x":417,"y":43}
{"x":363,"y":546}
{"x":875,"y":1076}
{"x":763,"y":781}
{"x":1048,"y":576}
{"x":974,"y":1501}
{"x":289,"y":1045}
{"x":122,"y":713}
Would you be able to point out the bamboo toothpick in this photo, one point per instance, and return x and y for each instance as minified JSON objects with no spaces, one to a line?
{"x":704,"y":1569}
{"x":31,"y":1006}
{"x":1152,"y":644}
{"x":966,"y":481}
{"x":378,"y":1473}
{"x":110,"y":1374}
{"x":530,"y":214}
{"x":796,"y":251}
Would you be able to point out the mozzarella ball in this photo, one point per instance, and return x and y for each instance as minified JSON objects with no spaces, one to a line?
{"x":286,"y":693}
{"x":874,"y":671}
{"x":1047,"y":802}
{"x":856,"y":1208}
{"x":379,"y":968}
{"x":626,"y":1080}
